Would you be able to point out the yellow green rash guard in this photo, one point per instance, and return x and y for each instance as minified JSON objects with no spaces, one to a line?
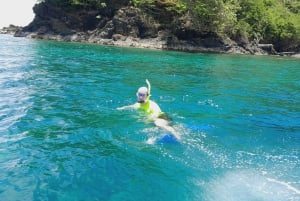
{"x":146,"y":107}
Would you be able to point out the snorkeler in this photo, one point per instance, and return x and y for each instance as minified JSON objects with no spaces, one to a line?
{"x":152,"y":109}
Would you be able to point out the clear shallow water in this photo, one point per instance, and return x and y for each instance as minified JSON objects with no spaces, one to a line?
{"x":61,"y":137}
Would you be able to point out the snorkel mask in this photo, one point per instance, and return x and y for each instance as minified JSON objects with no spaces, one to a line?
{"x":143,"y":93}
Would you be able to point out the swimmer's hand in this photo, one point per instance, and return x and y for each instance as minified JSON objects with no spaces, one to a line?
{"x":123,"y":108}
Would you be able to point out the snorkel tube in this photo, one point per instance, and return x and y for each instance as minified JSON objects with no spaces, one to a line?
{"x":149,"y":89}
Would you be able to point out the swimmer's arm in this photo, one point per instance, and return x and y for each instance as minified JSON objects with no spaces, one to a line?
{"x":127,"y":107}
{"x":155,"y":110}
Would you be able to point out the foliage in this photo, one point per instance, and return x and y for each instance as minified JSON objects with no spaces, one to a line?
{"x":272,"y":21}
{"x":171,"y":5}
{"x":213,"y":16}
{"x":268,"y":21}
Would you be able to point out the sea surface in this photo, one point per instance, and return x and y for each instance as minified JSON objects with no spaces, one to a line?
{"x":62,"y":139}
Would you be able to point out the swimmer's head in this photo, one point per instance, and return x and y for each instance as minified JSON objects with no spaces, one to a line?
{"x":142,"y":94}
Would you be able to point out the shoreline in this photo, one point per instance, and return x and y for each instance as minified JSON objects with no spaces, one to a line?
{"x":124,"y":25}
{"x":127,"y":41}
{"x":158,"y":43}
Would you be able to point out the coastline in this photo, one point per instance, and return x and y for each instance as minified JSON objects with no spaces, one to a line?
{"x":121,"y":24}
{"x":117,"y":40}
{"x":160,"y":43}
{"x":128,"y":26}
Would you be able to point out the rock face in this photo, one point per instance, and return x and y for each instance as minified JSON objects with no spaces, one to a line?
{"x":124,"y":25}
{"x":11,"y":29}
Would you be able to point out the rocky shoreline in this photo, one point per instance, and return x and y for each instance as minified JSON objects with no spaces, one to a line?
{"x":11,"y":29}
{"x":129,"y":27}
{"x":161,"y":43}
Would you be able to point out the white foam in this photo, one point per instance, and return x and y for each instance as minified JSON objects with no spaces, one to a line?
{"x":151,"y":140}
{"x":249,"y":185}
{"x":208,"y":102}
{"x":287,"y":185}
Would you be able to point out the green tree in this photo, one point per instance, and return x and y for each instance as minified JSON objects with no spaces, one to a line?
{"x":217,"y":16}
{"x":271,"y":21}
{"x":283,"y":29}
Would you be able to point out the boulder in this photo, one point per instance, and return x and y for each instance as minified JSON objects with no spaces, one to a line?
{"x":11,"y":29}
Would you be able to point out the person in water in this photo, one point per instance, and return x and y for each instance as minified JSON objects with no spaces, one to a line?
{"x":152,"y":109}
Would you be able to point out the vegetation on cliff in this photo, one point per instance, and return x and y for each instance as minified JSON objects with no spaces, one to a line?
{"x":244,"y":21}
{"x":265,"y":21}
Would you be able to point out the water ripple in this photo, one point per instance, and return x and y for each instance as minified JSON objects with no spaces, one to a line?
{"x":61,"y":137}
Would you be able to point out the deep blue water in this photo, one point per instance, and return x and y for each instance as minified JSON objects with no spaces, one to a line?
{"x":61,"y":137}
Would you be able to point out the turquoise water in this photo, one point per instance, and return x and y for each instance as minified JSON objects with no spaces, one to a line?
{"x":61,"y":137}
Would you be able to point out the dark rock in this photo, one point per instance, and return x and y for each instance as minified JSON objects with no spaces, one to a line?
{"x":130,"y":22}
{"x":11,"y":29}
{"x":268,"y":48}
{"x":116,"y":37}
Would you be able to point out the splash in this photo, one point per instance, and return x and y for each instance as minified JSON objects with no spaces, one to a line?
{"x":287,"y":185}
{"x":249,"y":185}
